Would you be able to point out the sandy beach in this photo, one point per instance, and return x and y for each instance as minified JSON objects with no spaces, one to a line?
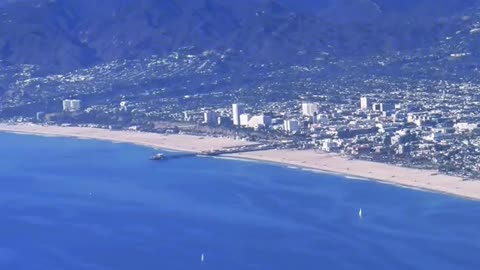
{"x":305,"y":159}
{"x":184,"y":143}
{"x":365,"y":170}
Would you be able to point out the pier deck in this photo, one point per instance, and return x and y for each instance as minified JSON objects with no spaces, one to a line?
{"x":224,"y":151}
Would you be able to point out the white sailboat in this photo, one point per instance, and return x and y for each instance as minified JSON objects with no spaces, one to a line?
{"x":202,"y":258}
{"x":360,"y":213}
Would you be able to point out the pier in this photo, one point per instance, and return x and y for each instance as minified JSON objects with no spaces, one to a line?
{"x":224,"y":151}
{"x":236,"y":150}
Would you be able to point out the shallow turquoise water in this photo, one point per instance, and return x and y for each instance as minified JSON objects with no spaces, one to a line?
{"x":76,"y":204}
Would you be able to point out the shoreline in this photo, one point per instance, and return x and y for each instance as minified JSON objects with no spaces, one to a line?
{"x":420,"y":180}
{"x":170,"y":143}
{"x":307,"y":160}
{"x":352,"y":177}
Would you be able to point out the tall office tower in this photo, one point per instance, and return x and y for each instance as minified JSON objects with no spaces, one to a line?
{"x":309,"y":109}
{"x":365,"y":103}
{"x":237,"y":110}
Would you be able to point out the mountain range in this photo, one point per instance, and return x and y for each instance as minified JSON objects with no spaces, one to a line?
{"x":250,"y":50}
{"x":63,"y":35}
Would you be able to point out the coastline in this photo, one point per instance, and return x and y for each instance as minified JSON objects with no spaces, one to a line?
{"x":441,"y":188}
{"x":296,"y":159}
{"x":173,"y":143}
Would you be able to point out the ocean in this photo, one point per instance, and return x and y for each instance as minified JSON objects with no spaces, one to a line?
{"x":82,"y":204}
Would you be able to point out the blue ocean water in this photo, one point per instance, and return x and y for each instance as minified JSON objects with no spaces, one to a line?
{"x":78,"y":204}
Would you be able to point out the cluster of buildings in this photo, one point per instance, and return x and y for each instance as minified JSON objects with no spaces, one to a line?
{"x":420,"y":130}
{"x":69,"y":107}
{"x":238,"y":118}
{"x":419,"y":133}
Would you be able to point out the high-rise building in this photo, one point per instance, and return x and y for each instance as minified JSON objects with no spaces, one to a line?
{"x":71,"y":105}
{"x":237,"y":110}
{"x":365,"y":103}
{"x":210,"y":118}
{"x":309,"y":109}
{"x":244,"y":119}
{"x":291,"y":126}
